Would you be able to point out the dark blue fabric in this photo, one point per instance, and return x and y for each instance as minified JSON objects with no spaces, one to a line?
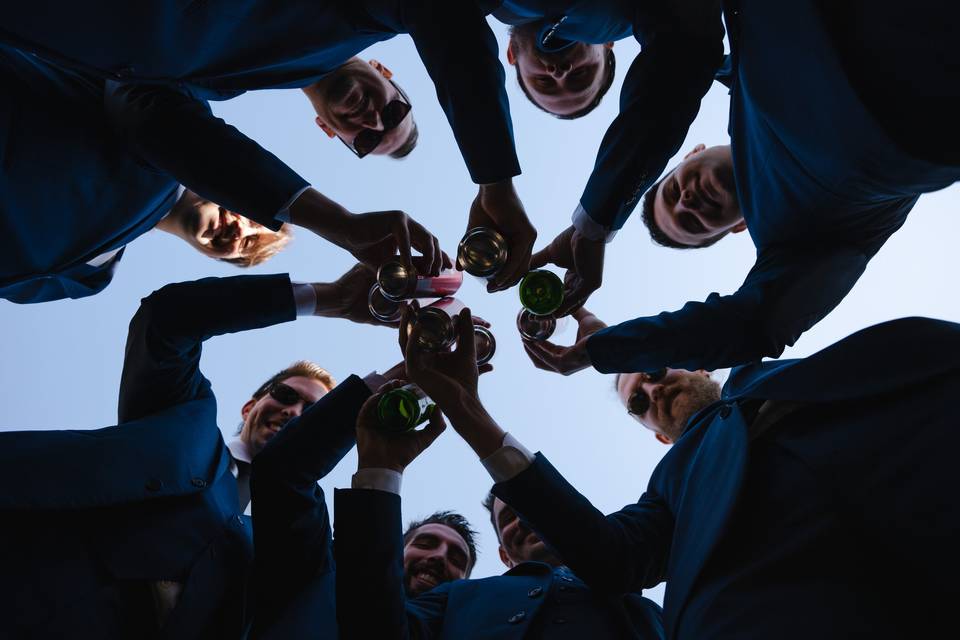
{"x":682,"y":49}
{"x":821,"y":187}
{"x":92,"y":517}
{"x":217,"y":49}
{"x":530,"y":600}
{"x":69,"y":189}
{"x":858,"y":481}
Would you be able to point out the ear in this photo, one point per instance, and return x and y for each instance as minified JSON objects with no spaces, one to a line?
{"x":326,"y":129}
{"x":504,"y":558}
{"x":382,"y":70}
{"x":248,"y":405}
{"x":695,"y":150}
{"x":663,"y":439}
{"x":608,"y":45}
{"x":511,"y":54}
{"x":740,"y":226}
{"x":702,"y":372}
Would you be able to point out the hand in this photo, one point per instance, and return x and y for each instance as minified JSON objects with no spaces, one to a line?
{"x":498,"y":207}
{"x":566,"y":360}
{"x":376,"y":449}
{"x":377,"y":237}
{"x":347,"y":297}
{"x":583,"y":260}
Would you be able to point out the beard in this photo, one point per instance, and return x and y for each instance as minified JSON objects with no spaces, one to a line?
{"x":701,"y":393}
{"x":411,"y":585}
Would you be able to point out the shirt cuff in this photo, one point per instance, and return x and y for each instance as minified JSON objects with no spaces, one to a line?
{"x":284,"y":214}
{"x":378,"y":479}
{"x":590,"y":228}
{"x":508,"y":461}
{"x":374,"y":381}
{"x":305,"y":297}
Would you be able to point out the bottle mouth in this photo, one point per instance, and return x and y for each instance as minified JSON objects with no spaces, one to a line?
{"x":437,"y":329}
{"x":398,"y":410}
{"x":534,"y":327}
{"x":395,"y":280}
{"x":486,"y":344}
{"x":541,"y":292}
{"x":381,"y":307}
{"x":482,"y":252}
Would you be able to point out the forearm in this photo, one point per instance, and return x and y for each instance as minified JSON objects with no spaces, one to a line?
{"x":319,"y":214}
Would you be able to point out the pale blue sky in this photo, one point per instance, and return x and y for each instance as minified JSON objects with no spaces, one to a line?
{"x":60,"y":362}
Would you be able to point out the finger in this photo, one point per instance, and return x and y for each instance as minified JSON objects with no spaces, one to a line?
{"x":518,"y":265}
{"x":367,"y":417}
{"x":447,"y":261}
{"x":422,"y":240}
{"x":480,"y":321}
{"x":535,"y":358}
{"x":547,"y":352}
{"x":540,"y":258}
{"x":485,"y":368}
{"x":438,"y":256}
{"x":401,"y":234}
{"x":434,"y":428}
{"x":466,"y":344}
{"x":574,"y":297}
{"x":415,"y":352}
{"x":406,"y":324}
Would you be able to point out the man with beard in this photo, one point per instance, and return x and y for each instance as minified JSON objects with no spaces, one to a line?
{"x":165,"y":60}
{"x":562,"y":51}
{"x":822,"y":169}
{"x":538,"y":597}
{"x":789,"y":508}
{"x":136,"y":530}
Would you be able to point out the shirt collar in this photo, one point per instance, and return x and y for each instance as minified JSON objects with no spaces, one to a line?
{"x":239,"y":450}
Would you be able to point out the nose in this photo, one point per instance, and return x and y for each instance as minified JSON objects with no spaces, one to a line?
{"x":558,"y":69}
{"x":371,"y":120}
{"x":655,"y":392}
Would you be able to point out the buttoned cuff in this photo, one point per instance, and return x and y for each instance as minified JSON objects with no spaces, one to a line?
{"x":284,"y":214}
{"x":374,"y":381}
{"x":386,"y":480}
{"x":305,"y":297}
{"x":508,"y":461}
{"x":590,"y":228}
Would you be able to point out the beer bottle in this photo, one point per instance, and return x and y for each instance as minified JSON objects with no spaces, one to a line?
{"x":485,"y":343}
{"x":541,"y":292}
{"x":482,"y":252}
{"x":402,"y":409}
{"x":381,"y":307}
{"x":397,"y":282}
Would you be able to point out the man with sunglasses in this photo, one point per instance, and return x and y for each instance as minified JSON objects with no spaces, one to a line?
{"x":166,"y":61}
{"x":137,"y":530}
{"x":791,"y":505}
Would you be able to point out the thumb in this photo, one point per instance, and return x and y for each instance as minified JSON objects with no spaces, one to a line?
{"x":432,"y":431}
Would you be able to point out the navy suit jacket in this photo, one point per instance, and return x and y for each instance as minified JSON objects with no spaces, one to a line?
{"x":821,"y":187}
{"x":221,"y":48}
{"x":804,"y":532}
{"x":70,"y":190}
{"x":661,"y":93}
{"x":371,"y":601}
{"x":92,"y":517}
{"x":293,"y":577}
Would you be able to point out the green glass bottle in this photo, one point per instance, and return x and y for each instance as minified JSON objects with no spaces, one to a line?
{"x":541,"y":292}
{"x":402,"y":409}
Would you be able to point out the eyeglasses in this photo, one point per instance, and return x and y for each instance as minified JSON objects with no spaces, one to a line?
{"x":287,"y":395}
{"x":639,"y":402}
{"x":392,"y":114}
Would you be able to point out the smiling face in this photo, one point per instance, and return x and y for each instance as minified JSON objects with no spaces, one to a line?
{"x":518,"y":543}
{"x":263,"y":417}
{"x":434,"y":554}
{"x":564,"y":82}
{"x":221,"y":233}
{"x":359,"y":96}
{"x":665,"y":401}
{"x":697,"y":201}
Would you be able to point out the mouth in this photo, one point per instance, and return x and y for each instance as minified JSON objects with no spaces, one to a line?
{"x":708,"y":194}
{"x":427,"y":577}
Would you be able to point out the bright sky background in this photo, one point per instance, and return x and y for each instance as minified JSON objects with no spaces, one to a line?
{"x":60,"y":362}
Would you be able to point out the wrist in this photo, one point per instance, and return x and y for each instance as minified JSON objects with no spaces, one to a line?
{"x":475,"y":425}
{"x":318,"y":213}
{"x":374,"y":462}
{"x":329,"y":299}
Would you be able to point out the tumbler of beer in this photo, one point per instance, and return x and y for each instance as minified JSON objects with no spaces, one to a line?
{"x":482,"y":252}
{"x":485,"y":343}
{"x":438,"y":324}
{"x":403,"y":409}
{"x":534,"y":327}
{"x":541,"y":292}
{"x":397,"y":282}
{"x":381,"y":307}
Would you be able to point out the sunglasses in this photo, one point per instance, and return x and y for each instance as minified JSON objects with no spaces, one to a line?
{"x":287,"y":395}
{"x":639,"y":402}
{"x":392,"y":114}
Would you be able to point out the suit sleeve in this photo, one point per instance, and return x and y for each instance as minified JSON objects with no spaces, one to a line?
{"x":161,"y":366}
{"x":368,"y":548}
{"x":682,"y":48}
{"x":786,"y":293}
{"x":178,"y":134}
{"x":470,"y":87}
{"x":291,"y":526}
{"x":623,"y":552}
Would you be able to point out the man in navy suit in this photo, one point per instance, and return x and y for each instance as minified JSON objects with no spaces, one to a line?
{"x":537,"y":597}
{"x":792,"y":505}
{"x":137,"y":530}
{"x":178,"y":56}
{"x":563,"y":54}
{"x":74,"y":193}
{"x":834,"y":137}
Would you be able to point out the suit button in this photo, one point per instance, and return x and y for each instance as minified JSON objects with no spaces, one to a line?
{"x":154,"y":484}
{"x":517,"y":617}
{"x":199,"y":483}
{"x":240,"y":520}
{"x":725,"y":411}
{"x":533,"y":593}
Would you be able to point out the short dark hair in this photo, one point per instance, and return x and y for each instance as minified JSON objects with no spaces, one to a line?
{"x":409,"y":144}
{"x":656,"y":233}
{"x":610,"y":68}
{"x":456,"y":522}
{"x":488,"y":505}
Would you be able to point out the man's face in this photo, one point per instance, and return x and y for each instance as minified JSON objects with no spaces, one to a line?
{"x":264,"y":417}
{"x":697,"y":201}
{"x":664,"y":402}
{"x":560,"y":82}
{"x":220,"y":233}
{"x":352,"y":99}
{"x":435,"y":554}
{"x":517,"y":542}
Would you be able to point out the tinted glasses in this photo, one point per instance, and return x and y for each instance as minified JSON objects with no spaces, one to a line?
{"x":392,"y":114}
{"x":639,"y":402}
{"x":287,"y":395}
